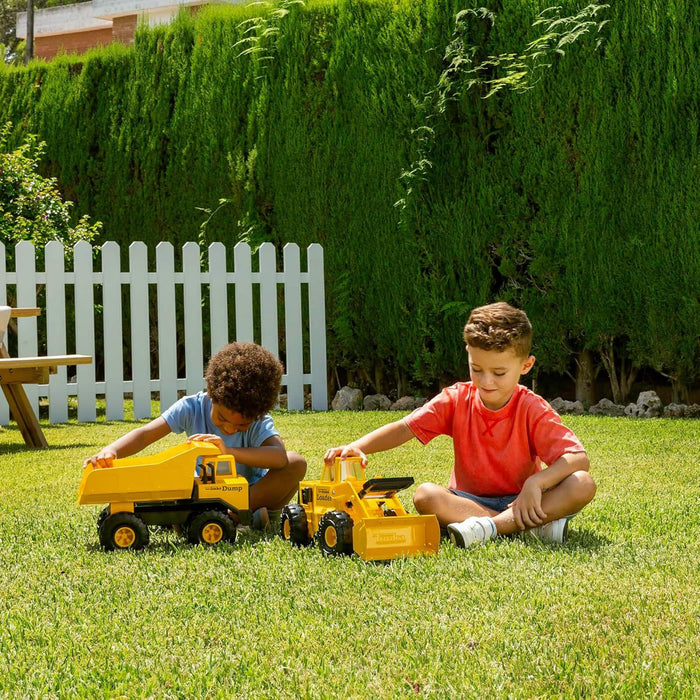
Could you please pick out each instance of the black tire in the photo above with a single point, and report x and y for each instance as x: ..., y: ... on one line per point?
x: 104, y: 514
x: 334, y: 534
x: 123, y: 531
x: 210, y: 528
x: 294, y: 526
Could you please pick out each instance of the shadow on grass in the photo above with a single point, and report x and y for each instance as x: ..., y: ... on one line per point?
x: 164, y: 542
x: 21, y: 447
x: 576, y: 541
x: 585, y: 540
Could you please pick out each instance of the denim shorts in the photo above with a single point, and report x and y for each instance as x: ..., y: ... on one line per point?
x: 497, y: 503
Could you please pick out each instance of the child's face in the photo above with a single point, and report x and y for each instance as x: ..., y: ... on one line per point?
x: 227, y: 421
x: 495, y: 374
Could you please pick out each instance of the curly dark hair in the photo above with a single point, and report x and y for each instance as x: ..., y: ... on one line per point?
x: 245, y: 378
x: 498, y: 327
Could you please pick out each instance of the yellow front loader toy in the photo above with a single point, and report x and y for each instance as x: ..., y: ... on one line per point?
x: 190, y: 486
x: 345, y: 512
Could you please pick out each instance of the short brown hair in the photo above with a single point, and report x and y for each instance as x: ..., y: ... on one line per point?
x: 245, y: 378
x: 498, y: 327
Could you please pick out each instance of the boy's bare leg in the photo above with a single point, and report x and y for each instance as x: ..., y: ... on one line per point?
x: 566, y: 498
x: 448, y: 507
x: 278, y: 486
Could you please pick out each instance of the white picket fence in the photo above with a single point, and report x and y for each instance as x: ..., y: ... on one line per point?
x: 282, y: 310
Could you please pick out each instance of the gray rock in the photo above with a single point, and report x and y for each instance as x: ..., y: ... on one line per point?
x: 693, y: 411
x: 632, y: 410
x: 376, y: 402
x: 605, y: 407
x: 347, y: 399
x: 405, y: 403
x: 559, y: 404
x: 649, y: 405
x: 562, y: 406
x: 675, y: 410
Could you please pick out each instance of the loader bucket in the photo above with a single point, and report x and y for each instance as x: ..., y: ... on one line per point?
x: 400, y: 536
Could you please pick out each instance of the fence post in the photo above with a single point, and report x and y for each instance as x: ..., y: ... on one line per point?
x: 85, y: 329
x: 292, y: 326
x: 269, y: 328
x: 111, y: 329
x: 54, y: 256
x: 140, y: 330
x: 218, y: 297
x: 244, y: 293
x: 27, y: 345
x: 317, y: 328
x: 192, y: 298
x: 167, y: 324
x: 4, y: 408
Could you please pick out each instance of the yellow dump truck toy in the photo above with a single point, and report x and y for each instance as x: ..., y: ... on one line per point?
x: 345, y: 512
x: 190, y: 486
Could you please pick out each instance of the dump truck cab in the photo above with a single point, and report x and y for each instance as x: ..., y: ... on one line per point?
x: 190, y: 486
x: 345, y: 512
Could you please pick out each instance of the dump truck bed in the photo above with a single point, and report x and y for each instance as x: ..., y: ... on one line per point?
x: 169, y: 475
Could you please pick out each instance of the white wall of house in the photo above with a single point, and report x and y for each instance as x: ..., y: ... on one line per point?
x: 60, y: 20
x: 99, y: 14
x: 108, y: 9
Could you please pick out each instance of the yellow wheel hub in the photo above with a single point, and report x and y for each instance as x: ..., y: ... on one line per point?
x: 331, y: 537
x: 212, y: 533
x: 287, y: 530
x: 124, y: 537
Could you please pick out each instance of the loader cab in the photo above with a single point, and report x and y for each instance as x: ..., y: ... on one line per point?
x: 342, y: 469
x: 207, y: 468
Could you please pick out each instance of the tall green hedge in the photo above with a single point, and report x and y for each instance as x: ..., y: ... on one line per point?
x: 576, y: 199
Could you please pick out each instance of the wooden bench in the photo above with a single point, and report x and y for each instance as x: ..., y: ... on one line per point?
x: 17, y: 371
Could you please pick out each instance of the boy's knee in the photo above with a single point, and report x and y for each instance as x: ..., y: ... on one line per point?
x: 296, y: 465
x: 585, y: 486
x: 425, y: 496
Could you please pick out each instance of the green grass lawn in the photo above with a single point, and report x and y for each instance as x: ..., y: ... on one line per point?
x: 615, y: 612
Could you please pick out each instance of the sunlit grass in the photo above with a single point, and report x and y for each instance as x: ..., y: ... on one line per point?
x: 612, y: 613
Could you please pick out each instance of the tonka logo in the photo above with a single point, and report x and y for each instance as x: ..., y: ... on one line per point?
x: 390, y: 538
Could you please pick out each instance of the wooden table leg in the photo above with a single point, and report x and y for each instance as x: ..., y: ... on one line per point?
x: 21, y: 411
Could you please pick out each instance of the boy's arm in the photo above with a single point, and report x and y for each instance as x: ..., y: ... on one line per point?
x: 131, y: 443
x: 271, y: 454
x: 566, y: 465
x: 527, y: 507
x: 385, y: 438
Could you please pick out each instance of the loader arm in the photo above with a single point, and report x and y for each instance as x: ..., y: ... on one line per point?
x: 384, y: 487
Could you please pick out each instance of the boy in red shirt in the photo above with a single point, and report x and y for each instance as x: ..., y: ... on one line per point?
x: 502, y: 433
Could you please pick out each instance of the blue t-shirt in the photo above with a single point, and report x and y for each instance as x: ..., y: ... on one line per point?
x: 192, y: 415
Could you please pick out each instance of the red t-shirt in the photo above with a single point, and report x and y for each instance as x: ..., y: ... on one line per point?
x: 495, y: 451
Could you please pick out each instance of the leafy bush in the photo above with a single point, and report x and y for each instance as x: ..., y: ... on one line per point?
x: 31, y: 207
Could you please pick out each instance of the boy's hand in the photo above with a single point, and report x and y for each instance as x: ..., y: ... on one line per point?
x: 343, y: 452
x: 102, y: 460
x: 527, y: 507
x: 213, y: 439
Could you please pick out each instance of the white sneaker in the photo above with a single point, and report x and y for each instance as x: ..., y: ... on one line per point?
x: 474, y: 530
x: 553, y: 532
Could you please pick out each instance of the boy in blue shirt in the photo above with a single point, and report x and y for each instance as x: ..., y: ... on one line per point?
x: 243, y: 382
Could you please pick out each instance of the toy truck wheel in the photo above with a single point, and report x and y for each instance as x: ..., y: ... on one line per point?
x: 210, y: 528
x: 104, y: 514
x: 334, y: 534
x: 294, y: 526
x: 123, y: 531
